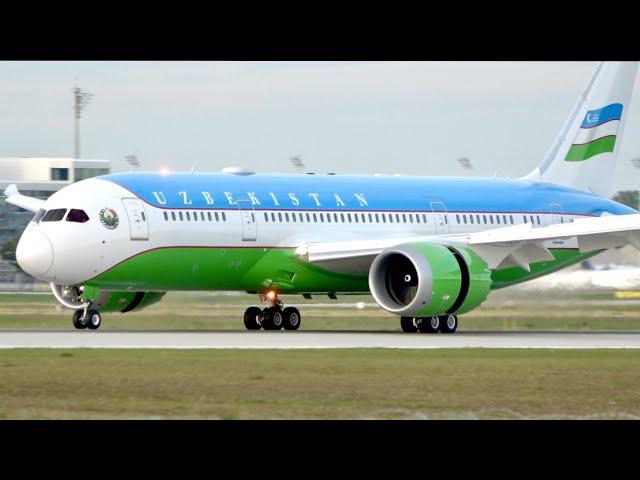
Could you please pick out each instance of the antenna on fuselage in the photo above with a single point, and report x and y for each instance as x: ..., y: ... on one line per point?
x: 297, y: 163
x: 133, y: 162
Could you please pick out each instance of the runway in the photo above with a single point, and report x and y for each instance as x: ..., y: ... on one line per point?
x: 314, y: 339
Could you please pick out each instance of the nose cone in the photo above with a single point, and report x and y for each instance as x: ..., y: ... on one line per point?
x: 34, y: 253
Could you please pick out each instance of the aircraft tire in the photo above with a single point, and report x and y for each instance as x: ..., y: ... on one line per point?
x: 77, y: 322
x: 291, y: 318
x: 272, y: 318
x: 408, y: 325
x: 251, y: 315
x: 448, y: 324
x: 94, y: 319
x: 429, y: 325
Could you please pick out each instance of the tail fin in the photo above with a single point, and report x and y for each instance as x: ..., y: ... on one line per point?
x: 584, y: 153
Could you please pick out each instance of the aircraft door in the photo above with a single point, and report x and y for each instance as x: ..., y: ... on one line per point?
x: 248, y: 219
x: 440, y: 218
x: 138, y: 220
x: 556, y: 213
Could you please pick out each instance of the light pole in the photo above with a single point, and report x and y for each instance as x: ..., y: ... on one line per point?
x: 297, y: 163
x: 80, y: 101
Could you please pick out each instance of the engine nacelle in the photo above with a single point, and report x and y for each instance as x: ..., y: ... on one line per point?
x: 424, y: 279
x: 75, y: 297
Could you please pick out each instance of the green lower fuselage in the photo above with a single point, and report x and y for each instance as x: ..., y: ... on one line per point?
x: 254, y: 269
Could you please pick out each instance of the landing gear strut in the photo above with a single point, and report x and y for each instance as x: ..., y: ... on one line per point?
x: 434, y: 324
x: 273, y: 316
x: 86, y: 318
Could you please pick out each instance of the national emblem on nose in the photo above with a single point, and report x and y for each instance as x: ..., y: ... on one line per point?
x: 109, y: 218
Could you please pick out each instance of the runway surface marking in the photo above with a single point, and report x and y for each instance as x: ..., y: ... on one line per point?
x: 313, y: 340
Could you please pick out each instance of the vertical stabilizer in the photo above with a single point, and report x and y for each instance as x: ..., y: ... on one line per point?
x: 584, y: 153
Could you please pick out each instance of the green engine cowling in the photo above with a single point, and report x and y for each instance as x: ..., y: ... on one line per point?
x: 425, y: 279
x: 109, y: 301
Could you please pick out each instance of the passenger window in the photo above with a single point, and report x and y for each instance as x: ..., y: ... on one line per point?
x: 308, y: 218
x: 224, y: 217
x: 166, y: 215
x: 180, y: 215
x: 390, y: 218
x: 39, y: 215
x: 355, y: 217
x: 188, y: 215
x: 397, y: 218
x: 209, y: 215
x: 301, y: 217
x: 144, y: 219
x: 173, y: 216
x: 370, y: 218
x: 335, y: 218
x: 315, y: 219
x: 79, y: 216
x: 470, y: 218
x: 321, y: 218
x: 418, y: 218
x: 280, y: 217
x: 195, y: 216
x: 293, y: 217
x: 484, y: 219
x: 202, y: 216
x: 498, y: 219
x: 54, y: 215
x: 266, y: 217
x: 286, y: 217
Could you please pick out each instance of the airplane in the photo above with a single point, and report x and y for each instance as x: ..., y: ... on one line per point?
x: 428, y: 249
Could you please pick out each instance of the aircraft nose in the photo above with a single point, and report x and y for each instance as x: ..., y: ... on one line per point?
x: 34, y: 253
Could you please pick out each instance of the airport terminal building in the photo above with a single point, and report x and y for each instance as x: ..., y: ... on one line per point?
x: 37, y: 177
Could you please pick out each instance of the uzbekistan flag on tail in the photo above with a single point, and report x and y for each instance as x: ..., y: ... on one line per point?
x: 597, y: 134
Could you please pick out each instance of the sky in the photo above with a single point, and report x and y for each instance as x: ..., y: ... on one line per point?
x: 345, y: 117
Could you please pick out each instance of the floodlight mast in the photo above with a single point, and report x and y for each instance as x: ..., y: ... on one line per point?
x: 81, y: 100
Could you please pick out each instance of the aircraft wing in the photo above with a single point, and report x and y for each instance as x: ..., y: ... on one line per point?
x: 14, y: 197
x: 518, y: 245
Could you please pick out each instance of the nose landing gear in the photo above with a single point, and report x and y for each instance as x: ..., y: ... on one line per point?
x: 273, y: 316
x: 86, y: 318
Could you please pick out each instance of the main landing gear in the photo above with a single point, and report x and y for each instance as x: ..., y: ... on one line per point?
x: 273, y: 316
x: 87, y: 318
x: 435, y: 324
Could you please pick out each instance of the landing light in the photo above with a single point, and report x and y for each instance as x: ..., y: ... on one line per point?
x: 164, y: 171
x: 271, y: 295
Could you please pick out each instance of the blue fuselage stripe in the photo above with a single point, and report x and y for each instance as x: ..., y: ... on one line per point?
x: 360, y: 193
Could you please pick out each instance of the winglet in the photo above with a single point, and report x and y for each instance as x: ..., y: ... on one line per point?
x: 14, y: 197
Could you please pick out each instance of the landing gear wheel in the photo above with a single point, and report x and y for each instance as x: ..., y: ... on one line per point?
x: 291, y: 318
x: 408, y: 324
x: 429, y: 325
x: 93, y: 319
x: 272, y: 319
x: 448, y: 324
x: 77, y: 322
x: 251, y: 316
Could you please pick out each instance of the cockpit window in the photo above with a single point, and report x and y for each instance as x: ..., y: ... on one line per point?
x: 78, y: 216
x: 54, y: 215
x: 39, y: 215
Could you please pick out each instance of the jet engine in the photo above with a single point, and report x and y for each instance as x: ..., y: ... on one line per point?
x: 423, y: 279
x: 75, y: 297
